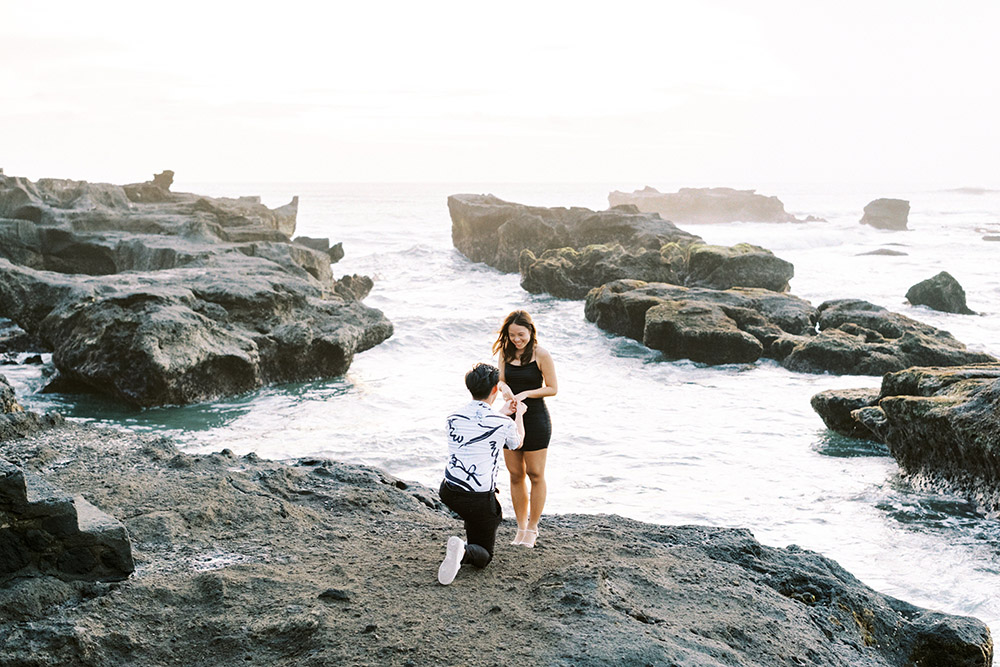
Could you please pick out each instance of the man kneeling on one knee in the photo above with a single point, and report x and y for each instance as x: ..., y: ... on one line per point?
x: 476, y: 434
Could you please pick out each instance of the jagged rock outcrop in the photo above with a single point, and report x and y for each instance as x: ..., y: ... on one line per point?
x: 887, y: 214
x: 942, y: 292
x: 161, y: 298
x: 707, y: 205
x: 488, y: 229
x: 253, y: 561
x: 859, y: 338
x: 743, y: 325
x: 941, y: 424
x: 44, y: 531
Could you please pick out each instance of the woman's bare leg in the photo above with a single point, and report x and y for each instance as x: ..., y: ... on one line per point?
x: 534, y: 463
x: 518, y: 489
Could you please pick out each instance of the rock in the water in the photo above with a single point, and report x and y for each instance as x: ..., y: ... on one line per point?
x: 887, y: 214
x: 487, y: 229
x: 859, y: 338
x: 182, y: 299
x: 888, y: 252
x: 942, y: 292
x: 940, y: 424
x: 716, y: 326
x: 836, y: 408
x: 44, y: 531
x: 706, y: 205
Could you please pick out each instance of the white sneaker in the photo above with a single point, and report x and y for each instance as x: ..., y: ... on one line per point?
x: 452, y: 562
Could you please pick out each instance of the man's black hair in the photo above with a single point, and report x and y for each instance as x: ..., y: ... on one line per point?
x: 481, y: 380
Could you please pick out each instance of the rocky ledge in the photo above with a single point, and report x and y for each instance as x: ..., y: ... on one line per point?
x: 941, y: 424
x: 155, y: 297
x: 707, y: 205
x: 244, y: 561
x: 742, y: 325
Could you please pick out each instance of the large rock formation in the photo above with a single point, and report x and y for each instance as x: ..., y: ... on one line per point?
x: 162, y: 298
x: 743, y: 325
x: 570, y: 274
x: 942, y: 292
x: 257, y: 562
x: 887, y: 214
x: 941, y: 424
x: 487, y: 229
x: 707, y: 205
x: 710, y: 326
x: 44, y: 531
x: 566, y: 252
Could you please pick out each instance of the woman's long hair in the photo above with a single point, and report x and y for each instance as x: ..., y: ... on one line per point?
x: 503, y: 343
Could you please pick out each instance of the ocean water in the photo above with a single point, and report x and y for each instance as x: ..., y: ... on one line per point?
x: 669, y: 442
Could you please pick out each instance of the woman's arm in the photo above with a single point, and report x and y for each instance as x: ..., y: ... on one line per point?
x: 550, y: 386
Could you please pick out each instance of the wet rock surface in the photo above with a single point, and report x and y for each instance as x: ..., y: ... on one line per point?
x: 707, y: 205
x: 890, y: 214
x: 241, y: 560
x: 942, y: 292
x: 742, y: 325
x: 157, y: 297
x: 941, y: 424
x: 860, y: 338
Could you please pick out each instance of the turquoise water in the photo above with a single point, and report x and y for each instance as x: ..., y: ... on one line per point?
x: 661, y: 441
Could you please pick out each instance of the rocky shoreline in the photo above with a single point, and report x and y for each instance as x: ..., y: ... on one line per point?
x: 310, y: 562
x: 160, y: 298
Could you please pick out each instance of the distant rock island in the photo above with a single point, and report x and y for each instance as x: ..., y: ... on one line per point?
x: 155, y: 297
x: 707, y: 205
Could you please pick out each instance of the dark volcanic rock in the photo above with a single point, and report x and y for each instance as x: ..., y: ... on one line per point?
x: 706, y: 205
x: 175, y: 298
x: 44, y: 531
x: 251, y: 561
x: 15, y: 339
x: 942, y: 292
x: 860, y: 338
x: 836, y: 408
x: 941, y: 424
x: 887, y: 214
x: 487, y: 229
x: 717, y: 326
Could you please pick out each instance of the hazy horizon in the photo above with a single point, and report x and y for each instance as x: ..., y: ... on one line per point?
x: 719, y: 93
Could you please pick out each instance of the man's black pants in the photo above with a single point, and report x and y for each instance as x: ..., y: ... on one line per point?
x: 482, y: 515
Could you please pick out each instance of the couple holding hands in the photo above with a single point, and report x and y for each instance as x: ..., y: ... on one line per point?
x: 524, y: 376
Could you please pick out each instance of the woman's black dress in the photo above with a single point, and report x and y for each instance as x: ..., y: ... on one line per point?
x: 537, y: 426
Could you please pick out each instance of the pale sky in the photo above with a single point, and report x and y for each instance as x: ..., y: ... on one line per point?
x: 706, y: 92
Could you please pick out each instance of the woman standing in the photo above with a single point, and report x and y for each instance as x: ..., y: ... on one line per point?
x: 528, y: 372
